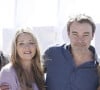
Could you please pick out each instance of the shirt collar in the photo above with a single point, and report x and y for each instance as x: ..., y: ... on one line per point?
x: 91, y: 48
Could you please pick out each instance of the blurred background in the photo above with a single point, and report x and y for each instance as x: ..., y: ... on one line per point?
x: 48, y: 19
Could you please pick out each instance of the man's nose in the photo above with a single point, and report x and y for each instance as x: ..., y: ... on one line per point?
x: 80, y: 39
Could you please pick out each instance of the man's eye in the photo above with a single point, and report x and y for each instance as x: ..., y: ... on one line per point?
x: 75, y: 34
x: 32, y: 43
x: 86, y: 35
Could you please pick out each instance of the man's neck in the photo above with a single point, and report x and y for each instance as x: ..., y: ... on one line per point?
x: 81, y: 57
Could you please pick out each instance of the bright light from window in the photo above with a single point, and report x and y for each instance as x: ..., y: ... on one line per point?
x: 37, y: 12
x: 7, y: 9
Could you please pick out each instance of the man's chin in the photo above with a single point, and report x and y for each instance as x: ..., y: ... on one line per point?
x: 80, y: 48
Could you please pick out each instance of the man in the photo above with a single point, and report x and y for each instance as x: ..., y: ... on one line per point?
x: 74, y: 66
x: 3, y: 61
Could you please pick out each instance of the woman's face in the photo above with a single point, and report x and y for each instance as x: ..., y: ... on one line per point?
x: 26, y: 47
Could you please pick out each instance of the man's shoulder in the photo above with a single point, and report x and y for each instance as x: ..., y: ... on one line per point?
x: 55, y: 47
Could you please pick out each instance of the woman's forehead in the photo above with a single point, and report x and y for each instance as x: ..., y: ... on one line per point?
x: 25, y: 36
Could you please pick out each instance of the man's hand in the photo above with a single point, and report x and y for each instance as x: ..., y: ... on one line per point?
x: 4, y: 86
x: 98, y: 88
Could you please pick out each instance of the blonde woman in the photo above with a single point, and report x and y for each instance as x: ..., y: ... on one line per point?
x: 24, y: 71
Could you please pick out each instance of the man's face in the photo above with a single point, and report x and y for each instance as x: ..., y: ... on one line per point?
x: 80, y: 35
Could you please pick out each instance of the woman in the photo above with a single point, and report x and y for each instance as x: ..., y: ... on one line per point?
x: 24, y: 71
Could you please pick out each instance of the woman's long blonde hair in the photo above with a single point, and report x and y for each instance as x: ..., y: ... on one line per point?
x: 37, y: 72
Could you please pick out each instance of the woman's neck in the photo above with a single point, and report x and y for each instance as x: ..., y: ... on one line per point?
x: 26, y: 65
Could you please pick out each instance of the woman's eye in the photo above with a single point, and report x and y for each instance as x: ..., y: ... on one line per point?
x: 26, y: 44
x: 75, y: 35
x: 21, y: 44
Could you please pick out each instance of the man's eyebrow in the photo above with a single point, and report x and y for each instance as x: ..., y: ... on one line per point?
x: 86, y: 32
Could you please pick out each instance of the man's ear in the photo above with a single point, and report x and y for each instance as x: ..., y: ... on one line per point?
x: 92, y: 35
x: 68, y: 33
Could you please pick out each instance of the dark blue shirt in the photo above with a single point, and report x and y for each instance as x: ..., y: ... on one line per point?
x: 62, y: 73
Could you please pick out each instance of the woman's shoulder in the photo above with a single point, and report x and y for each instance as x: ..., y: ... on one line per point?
x: 7, y: 70
x: 8, y: 75
x: 7, y: 67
